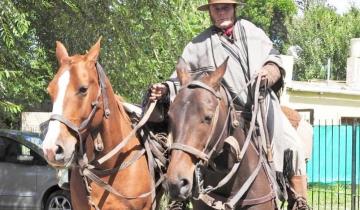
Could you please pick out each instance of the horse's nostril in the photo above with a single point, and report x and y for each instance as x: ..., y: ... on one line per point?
x: 59, y: 153
x: 184, y: 187
x: 59, y: 150
x: 183, y: 182
x: 179, y: 189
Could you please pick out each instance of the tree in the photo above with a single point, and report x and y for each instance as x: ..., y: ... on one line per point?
x: 306, y: 4
x: 271, y: 16
x: 21, y: 60
x: 323, y: 34
x: 141, y: 43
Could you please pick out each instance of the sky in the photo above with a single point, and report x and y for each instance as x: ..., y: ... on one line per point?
x: 343, y: 5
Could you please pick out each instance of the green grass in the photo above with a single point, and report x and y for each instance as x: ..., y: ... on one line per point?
x: 332, y: 196
x: 320, y: 197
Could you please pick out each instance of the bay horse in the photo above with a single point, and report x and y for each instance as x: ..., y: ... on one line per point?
x: 209, y: 143
x: 86, y: 108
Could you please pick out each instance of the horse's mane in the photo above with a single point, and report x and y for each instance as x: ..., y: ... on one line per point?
x: 119, y: 100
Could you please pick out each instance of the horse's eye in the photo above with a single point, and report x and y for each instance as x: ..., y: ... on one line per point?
x: 208, y: 118
x: 83, y: 90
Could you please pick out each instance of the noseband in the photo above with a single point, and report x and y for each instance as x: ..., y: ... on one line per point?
x: 95, y: 105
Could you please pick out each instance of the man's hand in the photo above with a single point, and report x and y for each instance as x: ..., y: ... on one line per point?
x: 270, y: 74
x: 157, y: 91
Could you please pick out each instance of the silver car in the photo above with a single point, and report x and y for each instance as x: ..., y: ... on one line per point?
x: 26, y: 180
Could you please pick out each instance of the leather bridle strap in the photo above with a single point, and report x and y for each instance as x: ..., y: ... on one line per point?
x: 244, y: 188
x: 253, y: 119
x: 123, y: 165
x: 191, y: 150
x: 102, y: 77
x: 94, y: 104
x: 196, y: 83
x: 112, y: 190
x: 83, y: 124
x: 230, y: 204
x: 116, y: 149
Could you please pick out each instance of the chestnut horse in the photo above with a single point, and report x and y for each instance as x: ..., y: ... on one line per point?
x: 209, y: 143
x: 86, y: 108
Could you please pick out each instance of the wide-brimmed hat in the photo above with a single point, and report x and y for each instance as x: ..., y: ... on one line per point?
x: 205, y: 7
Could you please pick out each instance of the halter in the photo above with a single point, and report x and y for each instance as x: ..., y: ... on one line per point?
x: 202, y: 154
x: 95, y: 105
x: 87, y: 170
x: 205, y: 194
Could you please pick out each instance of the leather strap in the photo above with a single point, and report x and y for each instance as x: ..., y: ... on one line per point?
x: 197, y: 83
x: 101, y: 75
x: 231, y: 203
x: 112, y: 190
x: 256, y: 201
x: 128, y: 137
x: 234, y: 144
x: 191, y: 150
x: 107, y: 172
x: 244, y: 188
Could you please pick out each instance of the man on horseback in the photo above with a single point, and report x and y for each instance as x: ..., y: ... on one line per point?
x: 251, y: 54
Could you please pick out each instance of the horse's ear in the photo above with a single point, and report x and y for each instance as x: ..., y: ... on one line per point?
x: 61, y: 52
x: 216, y: 76
x: 182, y: 71
x: 94, y: 51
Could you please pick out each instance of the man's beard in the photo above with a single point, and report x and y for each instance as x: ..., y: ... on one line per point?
x: 214, y: 22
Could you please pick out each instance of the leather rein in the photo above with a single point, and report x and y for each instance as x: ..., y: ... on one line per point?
x: 205, y: 194
x: 89, y: 171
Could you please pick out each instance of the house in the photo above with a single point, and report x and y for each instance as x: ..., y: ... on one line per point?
x: 336, y: 102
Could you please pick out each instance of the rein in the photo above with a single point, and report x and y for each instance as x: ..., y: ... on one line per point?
x: 87, y: 171
x: 205, y: 194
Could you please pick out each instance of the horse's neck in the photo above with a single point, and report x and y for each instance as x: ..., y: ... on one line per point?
x: 116, y: 127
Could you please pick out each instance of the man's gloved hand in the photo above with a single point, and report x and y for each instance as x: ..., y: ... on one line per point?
x: 270, y: 74
x: 157, y: 91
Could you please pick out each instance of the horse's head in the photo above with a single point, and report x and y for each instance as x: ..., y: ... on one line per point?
x: 197, y: 117
x: 74, y: 92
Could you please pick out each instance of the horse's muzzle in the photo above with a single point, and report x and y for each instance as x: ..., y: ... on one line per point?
x: 56, y: 157
x: 179, y: 189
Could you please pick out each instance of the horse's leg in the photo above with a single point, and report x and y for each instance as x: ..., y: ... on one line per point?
x: 79, y: 200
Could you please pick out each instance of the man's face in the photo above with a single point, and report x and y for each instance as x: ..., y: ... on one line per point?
x: 222, y: 15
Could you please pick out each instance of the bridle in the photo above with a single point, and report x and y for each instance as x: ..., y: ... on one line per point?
x: 205, y: 154
x: 87, y: 171
x: 85, y: 124
x: 204, y: 194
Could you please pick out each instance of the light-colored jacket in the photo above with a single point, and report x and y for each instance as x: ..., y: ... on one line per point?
x: 251, y: 46
x: 250, y: 50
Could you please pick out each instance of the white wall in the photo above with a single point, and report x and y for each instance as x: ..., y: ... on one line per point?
x: 30, y: 121
x: 327, y: 106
